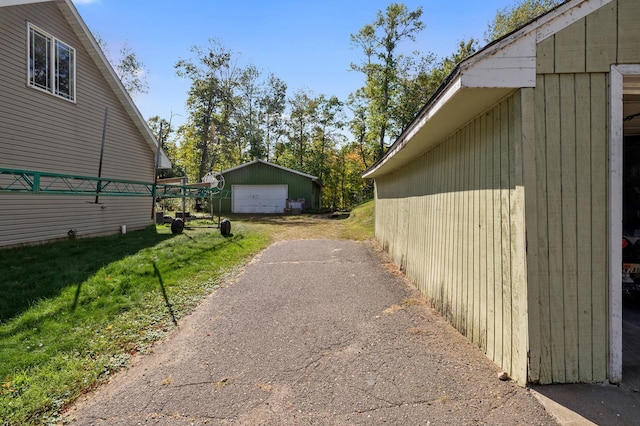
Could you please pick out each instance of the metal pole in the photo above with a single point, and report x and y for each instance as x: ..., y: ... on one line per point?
x: 184, y: 199
x: 155, y: 176
x: 104, y: 131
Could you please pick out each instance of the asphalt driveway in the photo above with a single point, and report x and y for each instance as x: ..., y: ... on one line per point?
x: 312, y: 332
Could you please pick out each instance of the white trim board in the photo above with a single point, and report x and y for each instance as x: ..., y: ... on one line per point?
x: 616, y: 146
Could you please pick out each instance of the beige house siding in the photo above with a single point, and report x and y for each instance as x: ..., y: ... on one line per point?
x: 39, y: 131
x: 453, y: 219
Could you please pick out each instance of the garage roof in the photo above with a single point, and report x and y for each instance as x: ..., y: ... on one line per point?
x: 258, y: 161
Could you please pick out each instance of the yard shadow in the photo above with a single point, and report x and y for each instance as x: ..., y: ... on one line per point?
x: 34, y: 273
x: 164, y: 294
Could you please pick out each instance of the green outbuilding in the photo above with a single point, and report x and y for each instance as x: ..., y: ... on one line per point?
x: 263, y: 187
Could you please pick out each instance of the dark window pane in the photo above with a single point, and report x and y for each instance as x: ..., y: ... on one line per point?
x: 39, y: 66
x: 64, y: 70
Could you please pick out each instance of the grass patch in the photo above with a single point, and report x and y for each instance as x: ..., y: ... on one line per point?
x: 74, y: 312
x: 360, y: 225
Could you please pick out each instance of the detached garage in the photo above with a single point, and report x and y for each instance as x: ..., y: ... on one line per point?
x: 503, y: 199
x: 263, y: 187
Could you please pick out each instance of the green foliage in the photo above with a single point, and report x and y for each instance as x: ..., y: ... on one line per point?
x: 385, y: 70
x: 163, y: 132
x: 513, y: 17
x: 127, y: 66
x: 131, y: 71
x: 73, y: 312
x: 235, y: 114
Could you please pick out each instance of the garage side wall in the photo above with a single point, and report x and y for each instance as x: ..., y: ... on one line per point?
x: 453, y: 220
x: 39, y: 131
x: 568, y: 281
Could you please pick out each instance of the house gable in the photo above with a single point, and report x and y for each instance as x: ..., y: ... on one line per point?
x: 43, y: 132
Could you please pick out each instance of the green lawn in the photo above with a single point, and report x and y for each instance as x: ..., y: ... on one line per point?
x: 73, y: 312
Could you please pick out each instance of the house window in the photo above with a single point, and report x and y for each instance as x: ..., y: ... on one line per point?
x: 52, y: 64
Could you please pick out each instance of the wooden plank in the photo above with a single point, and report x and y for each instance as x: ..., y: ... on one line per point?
x: 545, y: 56
x: 520, y: 324
x: 476, y: 269
x: 545, y: 375
x: 529, y: 161
x: 459, y: 234
x: 448, y: 232
x: 583, y: 221
x: 569, y: 221
x: 554, y: 212
x: 431, y: 204
x: 440, y: 248
x: 466, y: 288
x: 601, y: 41
x: 505, y: 234
x: 483, y: 225
x: 570, y: 48
x: 628, y: 34
x: 498, y: 240
x: 492, y: 168
x: 450, y: 223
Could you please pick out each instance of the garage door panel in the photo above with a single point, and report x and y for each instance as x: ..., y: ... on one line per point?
x: 259, y: 198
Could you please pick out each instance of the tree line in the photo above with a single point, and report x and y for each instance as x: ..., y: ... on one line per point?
x: 238, y: 113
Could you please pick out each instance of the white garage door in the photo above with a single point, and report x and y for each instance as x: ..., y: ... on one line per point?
x: 259, y: 198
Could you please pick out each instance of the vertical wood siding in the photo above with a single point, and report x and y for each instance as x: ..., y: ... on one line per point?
x: 39, y: 131
x: 570, y: 223
x: 463, y: 202
x: 454, y: 221
x: 592, y: 44
x: 568, y: 283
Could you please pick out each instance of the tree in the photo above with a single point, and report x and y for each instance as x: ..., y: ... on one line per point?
x: 129, y: 69
x: 329, y: 120
x: 272, y: 107
x: 248, y: 134
x: 513, y: 17
x: 211, y: 103
x: 380, y: 42
x: 302, y: 110
x: 163, y: 131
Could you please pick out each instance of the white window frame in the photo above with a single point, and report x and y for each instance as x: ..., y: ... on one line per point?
x: 53, y: 65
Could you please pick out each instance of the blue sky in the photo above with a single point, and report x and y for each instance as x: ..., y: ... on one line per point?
x: 304, y: 43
